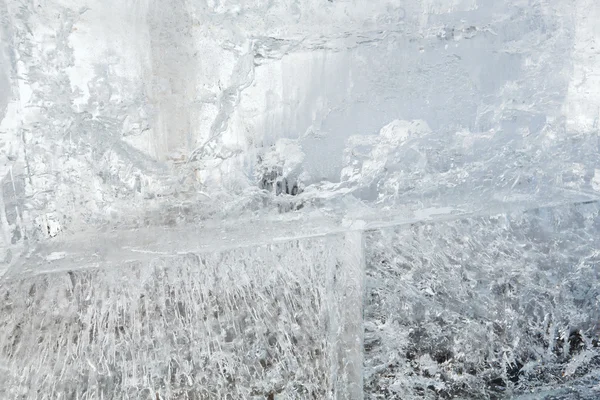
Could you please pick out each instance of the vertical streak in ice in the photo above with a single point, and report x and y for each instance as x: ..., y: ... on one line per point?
x: 583, y: 101
x: 346, y: 291
x: 172, y: 74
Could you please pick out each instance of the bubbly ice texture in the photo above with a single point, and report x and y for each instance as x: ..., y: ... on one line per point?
x: 485, y: 307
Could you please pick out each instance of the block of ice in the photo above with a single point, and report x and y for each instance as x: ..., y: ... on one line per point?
x: 271, y: 321
x: 484, y: 307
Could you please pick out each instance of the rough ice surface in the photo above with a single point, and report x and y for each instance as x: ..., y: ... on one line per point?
x: 218, y: 198
x: 272, y: 320
x: 484, y: 307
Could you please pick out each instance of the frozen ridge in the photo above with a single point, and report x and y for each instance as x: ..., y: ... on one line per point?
x: 111, y: 247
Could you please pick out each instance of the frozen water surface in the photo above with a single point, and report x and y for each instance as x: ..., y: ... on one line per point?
x: 299, y: 199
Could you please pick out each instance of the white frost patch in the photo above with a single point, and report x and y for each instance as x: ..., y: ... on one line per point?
x: 368, y: 157
x: 596, y: 180
x: 427, y: 364
x: 399, y: 131
x: 57, y: 255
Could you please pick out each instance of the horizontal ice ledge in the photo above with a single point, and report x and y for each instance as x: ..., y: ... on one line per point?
x: 112, y: 248
x: 227, y: 314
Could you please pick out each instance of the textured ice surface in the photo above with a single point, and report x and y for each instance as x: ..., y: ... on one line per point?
x: 273, y: 321
x: 489, y: 306
x: 235, y: 155
x: 152, y: 112
x: 486, y: 306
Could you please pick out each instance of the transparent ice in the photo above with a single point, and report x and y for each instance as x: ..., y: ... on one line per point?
x: 299, y: 199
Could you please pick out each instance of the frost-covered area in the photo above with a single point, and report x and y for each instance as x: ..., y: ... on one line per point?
x: 474, y: 307
x: 485, y: 307
x: 272, y: 320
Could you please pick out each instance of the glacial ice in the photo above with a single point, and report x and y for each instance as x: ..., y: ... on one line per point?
x: 296, y: 199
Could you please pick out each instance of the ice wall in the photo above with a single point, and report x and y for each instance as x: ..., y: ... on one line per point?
x: 271, y: 321
x: 480, y: 307
x: 122, y: 112
x: 136, y: 134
